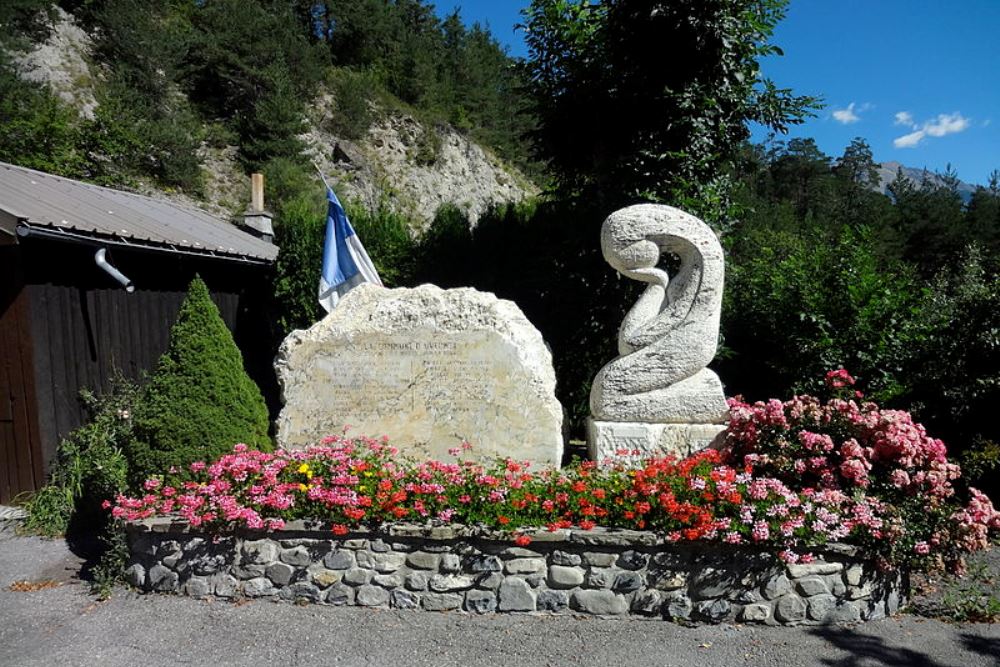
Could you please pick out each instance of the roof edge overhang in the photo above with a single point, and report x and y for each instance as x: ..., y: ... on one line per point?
x: 27, y: 229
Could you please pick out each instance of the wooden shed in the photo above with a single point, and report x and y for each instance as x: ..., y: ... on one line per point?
x: 67, y: 320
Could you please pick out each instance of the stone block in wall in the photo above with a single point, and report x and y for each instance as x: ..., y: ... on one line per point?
x: 340, y: 595
x: 416, y: 581
x: 713, y: 610
x: 565, y: 558
x: 647, y: 603
x: 261, y: 552
x: 757, y: 613
x: 441, y: 601
x: 678, y: 607
x: 599, y: 558
x: 524, y: 566
x: 447, y: 583
x: 357, y: 576
x: 421, y: 560
x: 280, y: 573
x: 372, y: 596
x: 790, y: 609
x: 552, y: 600
x: 340, y: 560
x: 162, y: 579
x: 301, y: 591
x: 480, y: 602
x: 811, y: 585
x: 516, y: 595
x: 401, y: 599
x: 599, y: 602
x: 565, y: 576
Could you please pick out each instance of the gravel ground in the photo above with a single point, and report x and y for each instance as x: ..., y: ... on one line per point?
x: 64, y: 625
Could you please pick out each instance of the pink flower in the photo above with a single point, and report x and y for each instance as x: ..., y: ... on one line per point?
x: 838, y: 379
x: 760, y: 531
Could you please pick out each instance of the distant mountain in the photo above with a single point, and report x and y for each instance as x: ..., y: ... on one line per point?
x: 887, y: 174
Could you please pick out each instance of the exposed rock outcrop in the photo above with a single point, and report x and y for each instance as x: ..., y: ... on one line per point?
x: 62, y: 62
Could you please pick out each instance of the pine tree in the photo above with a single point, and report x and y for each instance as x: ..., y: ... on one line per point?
x: 200, y: 401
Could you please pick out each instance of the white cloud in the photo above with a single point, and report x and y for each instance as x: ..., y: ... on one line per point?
x: 846, y: 116
x: 905, y: 118
x: 909, y: 140
x: 986, y: 123
x: 944, y: 124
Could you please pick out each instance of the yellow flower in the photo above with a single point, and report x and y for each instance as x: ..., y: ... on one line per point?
x: 303, y: 487
x: 304, y: 468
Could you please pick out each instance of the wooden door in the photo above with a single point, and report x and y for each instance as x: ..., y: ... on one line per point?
x: 21, y: 466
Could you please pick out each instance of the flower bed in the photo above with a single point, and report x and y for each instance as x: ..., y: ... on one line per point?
x: 600, y: 572
x: 793, y: 478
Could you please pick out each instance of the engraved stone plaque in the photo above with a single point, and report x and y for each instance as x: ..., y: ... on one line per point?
x: 430, y: 368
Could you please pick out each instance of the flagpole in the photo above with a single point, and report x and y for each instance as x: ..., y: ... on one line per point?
x: 321, y: 176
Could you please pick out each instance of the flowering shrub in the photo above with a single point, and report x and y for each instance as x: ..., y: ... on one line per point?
x: 862, y: 451
x: 794, y: 475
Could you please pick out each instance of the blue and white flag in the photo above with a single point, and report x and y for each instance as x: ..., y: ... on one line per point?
x: 345, y: 262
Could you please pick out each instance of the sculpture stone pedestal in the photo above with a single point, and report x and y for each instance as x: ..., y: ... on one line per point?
x: 626, y: 442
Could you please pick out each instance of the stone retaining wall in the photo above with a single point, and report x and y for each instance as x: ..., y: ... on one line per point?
x: 600, y: 572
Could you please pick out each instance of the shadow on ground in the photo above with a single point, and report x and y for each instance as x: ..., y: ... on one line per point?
x: 986, y: 646
x: 867, y: 650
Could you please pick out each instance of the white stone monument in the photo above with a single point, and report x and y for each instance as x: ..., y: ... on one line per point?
x: 658, y: 397
x: 428, y: 367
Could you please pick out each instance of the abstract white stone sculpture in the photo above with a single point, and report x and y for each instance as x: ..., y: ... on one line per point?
x: 658, y: 396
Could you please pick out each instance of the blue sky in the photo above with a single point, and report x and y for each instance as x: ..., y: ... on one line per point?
x: 919, y: 79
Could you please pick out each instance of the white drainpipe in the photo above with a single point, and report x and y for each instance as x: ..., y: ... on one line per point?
x: 112, y: 271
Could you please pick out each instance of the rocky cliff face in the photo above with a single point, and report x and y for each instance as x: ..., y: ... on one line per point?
x: 415, y: 168
x: 62, y: 62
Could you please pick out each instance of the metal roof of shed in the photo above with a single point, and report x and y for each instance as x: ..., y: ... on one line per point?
x: 63, y: 207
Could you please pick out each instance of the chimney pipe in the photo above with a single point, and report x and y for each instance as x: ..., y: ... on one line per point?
x: 257, y: 192
x: 257, y: 220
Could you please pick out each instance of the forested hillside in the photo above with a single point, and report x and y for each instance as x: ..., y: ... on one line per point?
x: 171, y: 81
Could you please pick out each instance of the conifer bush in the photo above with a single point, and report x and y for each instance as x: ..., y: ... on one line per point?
x: 200, y: 399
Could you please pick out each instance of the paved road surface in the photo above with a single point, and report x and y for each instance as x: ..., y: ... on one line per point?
x: 65, y: 626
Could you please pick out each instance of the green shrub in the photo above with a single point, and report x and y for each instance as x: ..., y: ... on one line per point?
x: 36, y: 129
x: 89, y: 468
x: 801, y: 300
x: 200, y: 401
x: 427, y: 148
x: 353, y: 92
x: 298, y: 231
x: 388, y: 240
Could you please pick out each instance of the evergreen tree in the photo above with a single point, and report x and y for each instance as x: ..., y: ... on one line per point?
x: 651, y: 99
x: 983, y: 214
x: 251, y: 64
x: 859, y: 201
x: 200, y: 401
